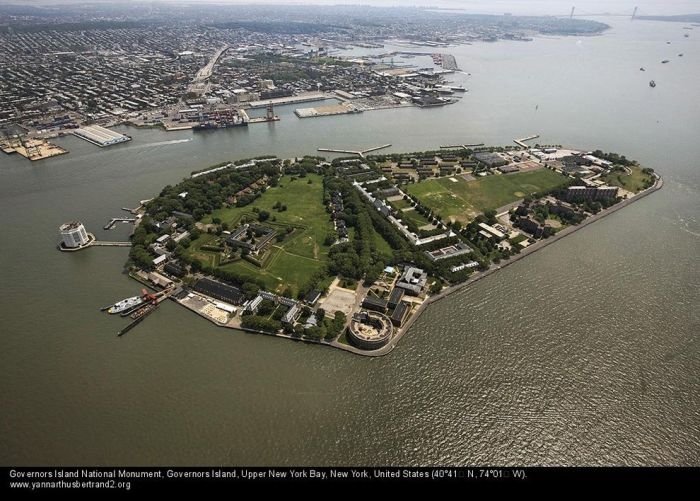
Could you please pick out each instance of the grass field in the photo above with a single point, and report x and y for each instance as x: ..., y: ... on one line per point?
x: 414, y: 216
x: 463, y: 200
x: 634, y: 182
x: 400, y: 204
x: 291, y: 262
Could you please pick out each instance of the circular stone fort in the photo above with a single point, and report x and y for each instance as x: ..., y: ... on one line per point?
x: 370, y: 330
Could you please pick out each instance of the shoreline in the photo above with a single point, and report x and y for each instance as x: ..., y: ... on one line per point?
x: 393, y: 342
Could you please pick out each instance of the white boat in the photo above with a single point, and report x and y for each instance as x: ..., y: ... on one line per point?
x: 125, y: 304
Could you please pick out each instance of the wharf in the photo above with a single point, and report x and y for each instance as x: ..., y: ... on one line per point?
x: 521, y: 142
x: 360, y: 153
x: 116, y: 220
x: 302, y: 98
x: 463, y: 146
x: 100, y: 243
x: 326, y: 111
x: 32, y: 149
x: 93, y: 242
x: 100, y: 136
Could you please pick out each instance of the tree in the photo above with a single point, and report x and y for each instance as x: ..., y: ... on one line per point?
x: 320, y: 314
x: 330, y: 238
x: 263, y: 215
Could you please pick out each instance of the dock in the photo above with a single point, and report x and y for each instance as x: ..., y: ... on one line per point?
x: 31, y: 149
x: 326, y: 111
x: 521, y: 142
x: 302, y: 98
x: 463, y: 146
x: 116, y: 220
x: 100, y: 243
x: 360, y: 153
x: 140, y: 314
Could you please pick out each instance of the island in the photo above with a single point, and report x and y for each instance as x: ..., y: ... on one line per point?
x: 347, y: 253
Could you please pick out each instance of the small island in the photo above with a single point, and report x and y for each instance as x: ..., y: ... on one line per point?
x: 347, y: 253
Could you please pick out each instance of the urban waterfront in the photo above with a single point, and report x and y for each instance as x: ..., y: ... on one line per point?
x: 584, y: 353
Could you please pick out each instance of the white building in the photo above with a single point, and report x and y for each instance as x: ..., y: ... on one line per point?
x: 73, y: 235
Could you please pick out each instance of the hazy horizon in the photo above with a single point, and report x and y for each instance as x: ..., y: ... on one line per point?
x: 517, y: 7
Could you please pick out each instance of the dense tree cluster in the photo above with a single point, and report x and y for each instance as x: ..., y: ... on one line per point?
x: 614, y: 158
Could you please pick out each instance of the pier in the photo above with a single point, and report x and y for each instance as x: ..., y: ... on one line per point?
x: 301, y: 98
x: 521, y: 142
x: 31, y: 149
x: 116, y: 220
x: 360, y: 153
x: 99, y: 243
x: 463, y: 146
x: 100, y: 136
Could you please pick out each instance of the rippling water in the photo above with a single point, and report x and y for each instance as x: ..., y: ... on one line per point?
x: 584, y: 353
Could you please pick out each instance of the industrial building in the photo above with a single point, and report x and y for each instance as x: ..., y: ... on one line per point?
x: 100, y: 136
x: 218, y: 290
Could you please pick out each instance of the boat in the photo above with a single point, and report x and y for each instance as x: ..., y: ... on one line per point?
x: 680, y: 55
x: 642, y: 69
x: 652, y: 84
x: 219, y: 125
x: 664, y: 61
x: 125, y: 304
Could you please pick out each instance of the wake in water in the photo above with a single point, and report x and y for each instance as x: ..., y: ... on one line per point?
x: 161, y: 143
x: 686, y: 225
x: 173, y: 141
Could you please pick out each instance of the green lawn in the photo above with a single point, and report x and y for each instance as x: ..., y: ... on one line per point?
x: 634, y: 182
x: 292, y: 261
x: 414, y: 216
x: 400, y: 204
x: 463, y: 200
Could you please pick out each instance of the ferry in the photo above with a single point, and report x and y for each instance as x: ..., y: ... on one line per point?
x: 125, y: 304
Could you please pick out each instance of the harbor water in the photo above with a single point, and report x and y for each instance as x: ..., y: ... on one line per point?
x: 585, y: 353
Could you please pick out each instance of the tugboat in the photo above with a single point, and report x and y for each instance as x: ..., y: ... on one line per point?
x: 652, y: 84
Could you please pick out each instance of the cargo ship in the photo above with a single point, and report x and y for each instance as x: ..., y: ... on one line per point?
x: 219, y: 125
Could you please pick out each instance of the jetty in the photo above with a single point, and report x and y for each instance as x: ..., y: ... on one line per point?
x: 116, y: 220
x: 100, y: 243
x: 359, y: 153
x: 521, y: 142
x: 463, y: 146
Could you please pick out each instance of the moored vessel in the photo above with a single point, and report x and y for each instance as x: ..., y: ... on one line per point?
x: 125, y: 304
